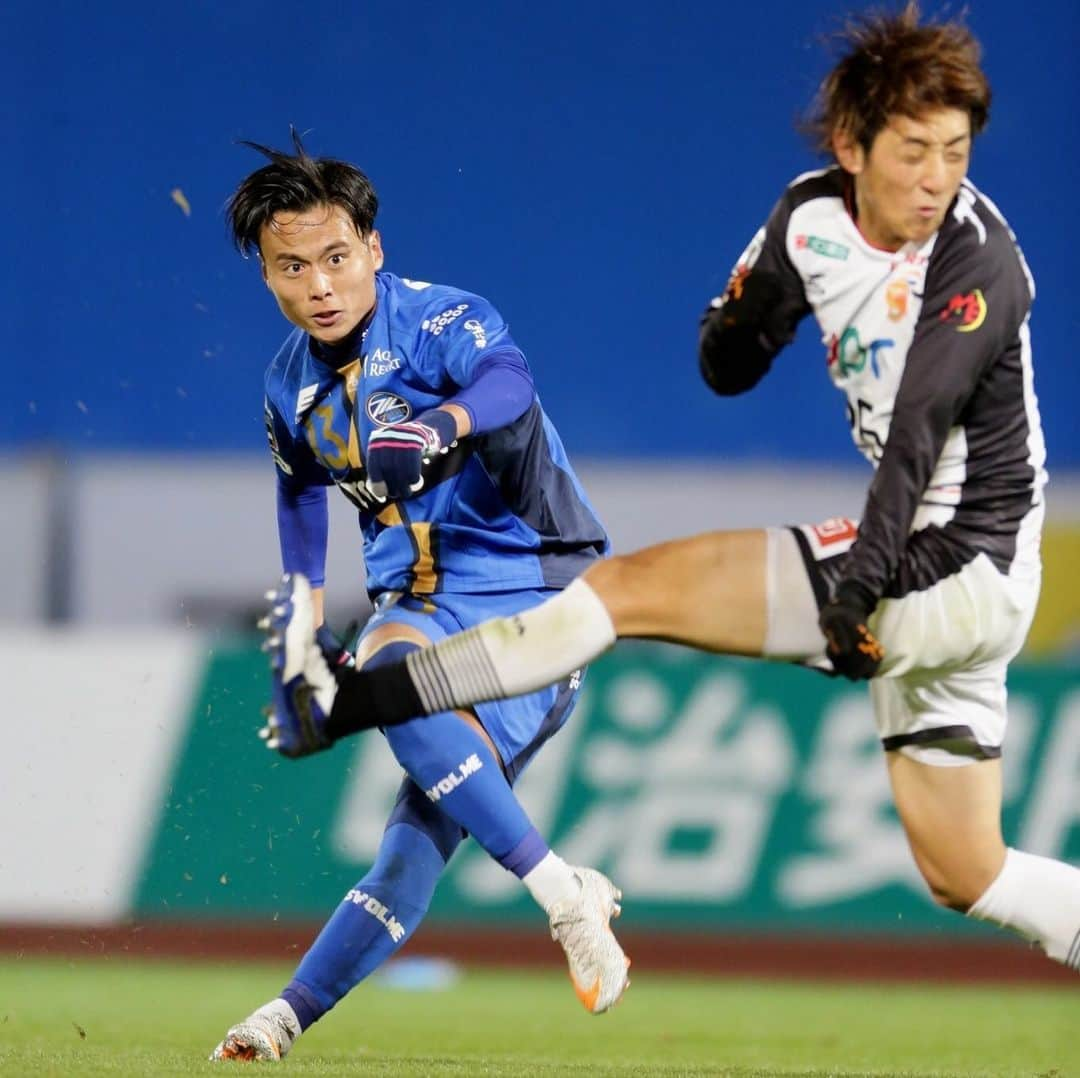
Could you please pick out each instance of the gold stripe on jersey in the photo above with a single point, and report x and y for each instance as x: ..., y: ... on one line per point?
x: 425, y: 577
x: 390, y: 517
x: 351, y: 373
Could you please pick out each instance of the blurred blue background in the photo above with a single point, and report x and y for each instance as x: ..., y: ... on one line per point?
x: 594, y: 168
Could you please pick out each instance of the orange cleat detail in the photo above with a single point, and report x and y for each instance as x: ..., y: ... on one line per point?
x: 588, y: 996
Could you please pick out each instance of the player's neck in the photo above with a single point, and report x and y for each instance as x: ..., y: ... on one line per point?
x: 338, y: 353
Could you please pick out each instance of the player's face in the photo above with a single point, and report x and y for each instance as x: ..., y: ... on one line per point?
x: 321, y: 270
x: 907, y: 181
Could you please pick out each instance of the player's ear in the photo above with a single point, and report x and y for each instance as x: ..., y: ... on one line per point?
x: 265, y: 275
x: 850, y: 155
x: 374, y: 244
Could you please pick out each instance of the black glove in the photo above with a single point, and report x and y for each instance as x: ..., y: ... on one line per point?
x: 396, y: 454
x: 855, y: 652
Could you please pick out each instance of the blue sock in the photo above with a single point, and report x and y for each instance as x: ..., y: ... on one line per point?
x: 381, y: 911
x: 454, y: 767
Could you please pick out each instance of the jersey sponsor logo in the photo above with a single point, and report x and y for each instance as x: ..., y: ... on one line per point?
x: 831, y: 537
x: 734, y: 288
x: 852, y: 356
x: 966, y: 310
x: 896, y: 299
x: 835, y: 530
x: 370, y: 904
x: 381, y: 362
x: 478, y: 332
x: 436, y: 325
x: 449, y: 783
x: 826, y: 248
x: 386, y: 408
x: 304, y: 399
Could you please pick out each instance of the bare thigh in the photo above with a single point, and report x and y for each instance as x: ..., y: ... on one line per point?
x: 952, y: 817
x: 706, y: 591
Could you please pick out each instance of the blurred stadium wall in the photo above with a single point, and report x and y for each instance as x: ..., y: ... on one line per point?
x: 594, y: 170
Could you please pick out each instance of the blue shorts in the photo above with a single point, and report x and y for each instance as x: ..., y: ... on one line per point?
x: 518, y: 726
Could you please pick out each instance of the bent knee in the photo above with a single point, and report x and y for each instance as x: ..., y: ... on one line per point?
x: 960, y: 887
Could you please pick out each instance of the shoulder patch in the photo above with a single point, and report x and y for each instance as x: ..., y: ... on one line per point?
x: 966, y: 310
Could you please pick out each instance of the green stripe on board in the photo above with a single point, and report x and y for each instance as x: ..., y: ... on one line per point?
x: 718, y: 793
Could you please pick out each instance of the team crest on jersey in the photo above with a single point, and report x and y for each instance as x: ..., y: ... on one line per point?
x: 386, y: 408
x: 896, y: 299
x: 967, y: 311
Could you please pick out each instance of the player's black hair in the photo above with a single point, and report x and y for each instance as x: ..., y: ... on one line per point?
x: 293, y: 183
x: 894, y: 64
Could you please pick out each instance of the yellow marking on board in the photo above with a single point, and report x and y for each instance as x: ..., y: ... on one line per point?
x: 1055, y: 632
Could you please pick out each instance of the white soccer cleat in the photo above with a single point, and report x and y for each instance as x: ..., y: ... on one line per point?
x: 598, y: 966
x: 264, y: 1037
x: 303, y: 685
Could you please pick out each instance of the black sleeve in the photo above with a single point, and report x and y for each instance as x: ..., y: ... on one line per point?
x: 977, y: 296
x: 757, y: 315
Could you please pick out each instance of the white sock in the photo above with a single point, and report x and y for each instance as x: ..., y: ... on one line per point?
x: 1040, y: 899
x: 552, y: 881
x: 513, y: 655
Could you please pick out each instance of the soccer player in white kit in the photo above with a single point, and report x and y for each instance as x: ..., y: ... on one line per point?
x: 922, y: 297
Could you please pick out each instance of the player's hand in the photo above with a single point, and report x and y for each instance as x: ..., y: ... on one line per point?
x: 854, y: 651
x: 397, y: 454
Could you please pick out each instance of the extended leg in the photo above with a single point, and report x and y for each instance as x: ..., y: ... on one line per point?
x: 641, y: 594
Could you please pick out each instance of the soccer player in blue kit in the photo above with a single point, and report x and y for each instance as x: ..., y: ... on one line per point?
x: 923, y: 297
x: 413, y: 399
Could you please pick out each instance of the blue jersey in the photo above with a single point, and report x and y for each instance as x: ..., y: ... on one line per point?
x: 501, y: 511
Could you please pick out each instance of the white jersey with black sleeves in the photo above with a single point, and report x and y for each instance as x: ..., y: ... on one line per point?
x: 931, y: 348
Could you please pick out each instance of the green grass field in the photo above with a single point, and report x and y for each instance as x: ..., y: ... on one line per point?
x: 107, y: 1017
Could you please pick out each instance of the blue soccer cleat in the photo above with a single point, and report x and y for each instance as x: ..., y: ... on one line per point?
x: 304, y: 687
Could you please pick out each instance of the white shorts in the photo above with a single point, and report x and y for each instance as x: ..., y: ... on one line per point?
x: 939, y: 696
